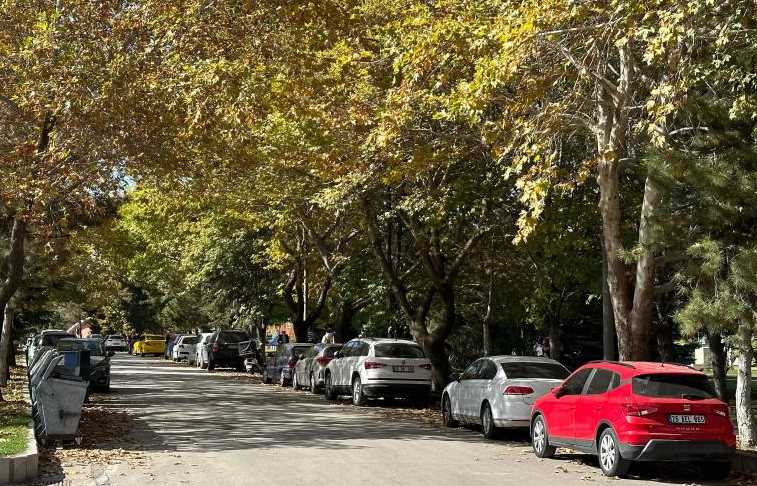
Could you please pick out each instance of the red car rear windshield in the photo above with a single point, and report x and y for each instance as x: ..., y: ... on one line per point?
x: 689, y: 386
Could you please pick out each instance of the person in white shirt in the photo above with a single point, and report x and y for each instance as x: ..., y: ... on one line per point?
x: 328, y: 338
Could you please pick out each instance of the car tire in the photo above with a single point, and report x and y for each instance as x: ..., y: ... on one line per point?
x: 488, y: 427
x: 540, y: 439
x: 448, y: 419
x: 203, y: 365
x: 313, y: 385
x: 266, y: 378
x: 282, y: 380
x: 358, y: 397
x: 715, y: 471
x: 608, y: 452
x: 328, y: 388
x: 211, y: 365
x: 240, y: 367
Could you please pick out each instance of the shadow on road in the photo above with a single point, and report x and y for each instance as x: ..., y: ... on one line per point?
x: 185, y: 409
x: 189, y: 410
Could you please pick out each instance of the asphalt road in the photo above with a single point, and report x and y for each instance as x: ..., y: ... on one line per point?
x: 215, y: 429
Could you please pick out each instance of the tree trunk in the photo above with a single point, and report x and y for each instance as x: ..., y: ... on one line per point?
x: 718, y: 363
x: 439, y: 358
x: 643, y: 298
x: 664, y: 339
x: 609, y: 346
x: 744, y: 420
x: 555, y: 340
x: 486, y: 330
x: 343, y: 327
x: 6, y: 344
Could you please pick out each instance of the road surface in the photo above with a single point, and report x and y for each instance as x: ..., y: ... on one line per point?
x: 213, y: 429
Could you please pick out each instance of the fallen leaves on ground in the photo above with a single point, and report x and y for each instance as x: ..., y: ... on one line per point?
x: 106, y: 440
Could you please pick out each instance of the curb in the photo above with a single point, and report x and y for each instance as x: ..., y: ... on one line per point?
x: 745, y: 462
x: 24, y: 466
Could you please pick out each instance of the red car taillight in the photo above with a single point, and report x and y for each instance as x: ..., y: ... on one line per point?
x: 322, y: 360
x: 216, y: 348
x: 631, y: 409
x: 517, y: 390
x: 292, y: 363
x: 372, y: 365
x: 426, y: 366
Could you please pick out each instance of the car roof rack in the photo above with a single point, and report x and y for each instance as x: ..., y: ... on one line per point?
x: 619, y: 363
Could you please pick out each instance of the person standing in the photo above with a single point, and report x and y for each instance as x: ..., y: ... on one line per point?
x: 329, y: 337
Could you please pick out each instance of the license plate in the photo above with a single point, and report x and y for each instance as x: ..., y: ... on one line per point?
x: 402, y: 369
x: 686, y: 419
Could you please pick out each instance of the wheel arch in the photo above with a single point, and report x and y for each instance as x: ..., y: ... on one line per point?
x: 601, y: 427
x: 534, y: 415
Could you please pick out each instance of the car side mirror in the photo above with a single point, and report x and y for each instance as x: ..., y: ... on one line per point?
x: 558, y: 391
x: 454, y: 376
x: 337, y: 355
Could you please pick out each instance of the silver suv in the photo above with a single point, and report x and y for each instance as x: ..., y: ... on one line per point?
x: 375, y: 367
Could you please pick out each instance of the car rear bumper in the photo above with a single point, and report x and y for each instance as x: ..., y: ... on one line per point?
x: 397, y: 389
x: 677, y: 450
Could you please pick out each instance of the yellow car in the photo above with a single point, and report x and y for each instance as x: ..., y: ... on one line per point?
x: 150, y: 344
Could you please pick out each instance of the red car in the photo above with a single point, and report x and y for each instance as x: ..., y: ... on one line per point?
x: 634, y: 411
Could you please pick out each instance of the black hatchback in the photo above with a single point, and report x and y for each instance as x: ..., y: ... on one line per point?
x: 223, y: 349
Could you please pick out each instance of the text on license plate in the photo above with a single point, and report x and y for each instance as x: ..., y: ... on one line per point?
x: 402, y: 369
x: 686, y: 419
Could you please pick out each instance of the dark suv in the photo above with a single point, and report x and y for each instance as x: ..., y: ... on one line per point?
x: 279, y: 367
x: 223, y: 349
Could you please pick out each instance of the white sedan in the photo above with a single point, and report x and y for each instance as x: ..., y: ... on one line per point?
x: 498, y: 391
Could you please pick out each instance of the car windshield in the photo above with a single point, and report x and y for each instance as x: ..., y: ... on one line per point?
x: 692, y: 386
x: 114, y: 336
x: 189, y: 340
x: 94, y: 347
x: 398, y: 350
x: 525, y: 369
x: 154, y: 337
x: 232, y: 337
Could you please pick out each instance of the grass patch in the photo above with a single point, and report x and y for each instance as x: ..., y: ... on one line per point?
x: 14, y: 418
x: 13, y: 435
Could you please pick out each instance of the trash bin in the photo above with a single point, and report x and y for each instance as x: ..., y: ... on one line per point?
x: 58, y: 405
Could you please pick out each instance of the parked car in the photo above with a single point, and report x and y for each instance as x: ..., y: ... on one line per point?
x: 498, y: 392
x: 172, y: 340
x: 223, y: 349
x: 309, y: 370
x: 632, y: 411
x: 154, y: 344
x: 115, y: 342
x: 372, y: 368
x: 99, y: 360
x: 96, y: 336
x: 279, y: 366
x: 184, y: 347
x: 201, y: 350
